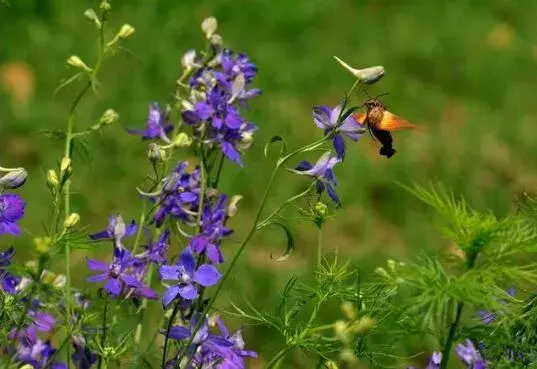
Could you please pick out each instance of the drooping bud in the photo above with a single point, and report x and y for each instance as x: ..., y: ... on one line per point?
x: 232, y: 208
x: 65, y: 168
x: 182, y: 140
x: 71, y: 221
x: 93, y: 17
x: 105, y: 6
x: 125, y: 31
x: 367, y: 76
x: 14, y: 179
x: 76, y: 62
x: 109, y: 116
x: 155, y: 153
x: 209, y: 26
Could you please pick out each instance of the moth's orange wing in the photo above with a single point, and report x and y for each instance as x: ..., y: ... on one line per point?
x: 391, y: 122
x: 360, y: 117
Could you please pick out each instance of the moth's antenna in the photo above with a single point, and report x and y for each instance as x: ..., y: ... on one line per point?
x: 365, y: 91
x: 383, y: 94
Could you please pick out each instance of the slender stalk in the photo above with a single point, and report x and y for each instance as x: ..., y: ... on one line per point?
x: 105, y: 328
x: 218, y: 171
x: 278, y: 358
x: 166, y: 338
x: 453, y: 327
x: 319, y: 246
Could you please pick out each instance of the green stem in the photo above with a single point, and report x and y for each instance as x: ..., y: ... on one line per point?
x: 105, y: 328
x: 453, y: 327
x: 319, y: 246
x: 278, y: 358
x: 166, y: 338
x: 218, y: 171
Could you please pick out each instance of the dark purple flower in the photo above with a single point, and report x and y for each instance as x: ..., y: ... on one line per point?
x: 9, y: 282
x: 179, y: 197
x: 323, y: 174
x: 213, y: 230
x: 155, y: 252
x: 6, y: 256
x: 82, y: 356
x: 38, y: 355
x: 11, y: 211
x: 116, y: 231
x: 233, y: 356
x: 157, y: 125
x: 117, y: 275
x: 327, y: 119
x: 187, y: 275
x: 469, y: 355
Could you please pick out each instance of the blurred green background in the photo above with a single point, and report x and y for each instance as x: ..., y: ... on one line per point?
x: 464, y: 70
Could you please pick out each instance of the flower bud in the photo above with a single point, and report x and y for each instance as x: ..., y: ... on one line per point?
x: 209, y: 26
x: 188, y: 61
x: 364, y: 324
x: 93, y: 17
x: 105, y: 6
x: 182, y: 140
x: 341, y: 332
x: 232, y: 207
x: 14, y: 179
x: 216, y: 41
x: 31, y: 266
x: 320, y: 211
x: 52, y: 179
x: 109, y: 116
x: 368, y: 75
x: 382, y: 272
x: 391, y: 265
x: 65, y: 168
x: 247, y: 138
x: 155, y: 153
x: 60, y: 281
x: 347, y: 356
x: 27, y: 366
x: 47, y: 277
x: 331, y: 365
x: 43, y: 244
x: 348, y: 310
x: 71, y: 221
x: 125, y: 31
x: 76, y: 62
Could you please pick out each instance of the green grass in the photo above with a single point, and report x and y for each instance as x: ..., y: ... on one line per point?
x: 446, y: 69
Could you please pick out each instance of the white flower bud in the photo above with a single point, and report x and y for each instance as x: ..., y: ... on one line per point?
x: 93, y: 17
x: 125, y: 31
x: 209, y: 26
x: 72, y: 220
x: 52, y: 179
x: 232, y: 207
x: 367, y: 75
x: 14, y: 179
x: 76, y: 62
x: 65, y: 167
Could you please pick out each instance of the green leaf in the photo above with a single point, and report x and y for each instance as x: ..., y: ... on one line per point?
x: 273, y: 140
x: 290, y: 242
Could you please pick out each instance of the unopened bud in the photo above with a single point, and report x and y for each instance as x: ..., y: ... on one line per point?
x: 182, y: 140
x: 105, y: 6
x: 47, y: 277
x: 188, y: 61
x: 367, y: 75
x: 52, y: 179
x: 27, y: 366
x: 125, y: 31
x: 42, y: 244
x: 216, y: 41
x: 76, y: 62
x: 209, y: 26
x: 31, y: 266
x: 232, y: 208
x: 347, y: 355
x: 72, y: 220
x: 391, y: 265
x: 348, y: 310
x: 331, y: 365
x: 65, y: 167
x: 60, y: 281
x: 341, y: 331
x: 109, y: 116
x: 247, y: 138
x: 382, y: 272
x: 14, y: 179
x: 364, y: 324
x: 155, y: 153
x: 92, y: 16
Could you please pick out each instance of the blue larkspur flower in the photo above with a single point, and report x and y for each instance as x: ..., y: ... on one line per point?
x: 323, y: 173
x: 216, y: 95
x: 156, y: 125
x: 326, y: 118
x: 187, y: 276
x: 232, y: 356
x: 469, y: 355
x: 116, y: 231
x: 118, y: 275
x: 11, y: 211
x: 38, y: 355
x: 487, y: 317
x: 213, y: 230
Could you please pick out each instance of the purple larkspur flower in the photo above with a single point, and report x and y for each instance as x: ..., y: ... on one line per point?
x: 8, y: 281
x: 11, y: 211
x: 326, y: 118
x: 117, y: 275
x: 179, y: 197
x: 156, y: 125
x: 233, y: 356
x: 155, y: 252
x: 216, y: 94
x: 323, y: 174
x: 37, y: 355
x: 116, y: 231
x: 187, y: 276
x: 82, y: 356
x: 469, y: 355
x: 213, y: 230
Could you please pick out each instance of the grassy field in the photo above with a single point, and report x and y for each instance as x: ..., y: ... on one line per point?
x: 464, y: 70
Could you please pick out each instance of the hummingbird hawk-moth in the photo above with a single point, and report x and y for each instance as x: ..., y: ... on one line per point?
x: 381, y: 123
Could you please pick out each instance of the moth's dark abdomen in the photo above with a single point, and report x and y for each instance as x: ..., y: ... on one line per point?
x: 385, y: 138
